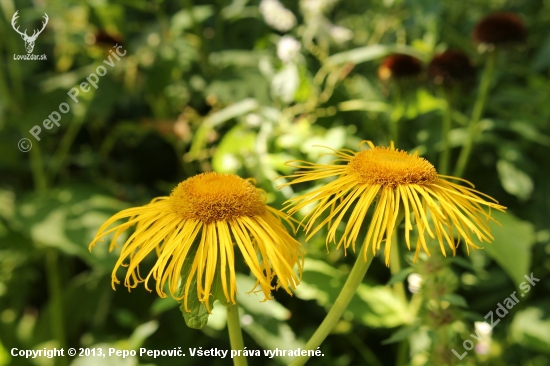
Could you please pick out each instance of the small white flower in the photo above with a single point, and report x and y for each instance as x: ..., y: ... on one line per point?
x: 415, y: 282
x: 340, y: 34
x: 484, y: 328
x: 277, y: 16
x: 253, y: 119
x: 287, y: 48
x: 315, y: 7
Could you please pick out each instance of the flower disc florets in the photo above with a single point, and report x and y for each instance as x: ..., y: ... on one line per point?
x: 211, y: 197
x: 388, y: 167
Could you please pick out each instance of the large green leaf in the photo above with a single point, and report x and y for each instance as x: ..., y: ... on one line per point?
x: 511, y: 248
x: 265, y: 321
x: 68, y: 218
x: 375, y: 306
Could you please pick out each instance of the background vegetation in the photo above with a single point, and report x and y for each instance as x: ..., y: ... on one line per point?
x: 203, y: 87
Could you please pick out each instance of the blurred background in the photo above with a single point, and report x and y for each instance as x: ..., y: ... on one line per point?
x: 242, y: 86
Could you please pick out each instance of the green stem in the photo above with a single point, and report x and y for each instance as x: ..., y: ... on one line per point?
x: 445, y: 129
x: 414, y: 306
x: 368, y: 355
x: 402, y: 353
x: 396, y: 115
x: 65, y: 145
x: 340, y: 305
x: 395, y: 267
x: 477, y: 112
x: 56, y: 305
x: 235, y: 333
x: 37, y: 168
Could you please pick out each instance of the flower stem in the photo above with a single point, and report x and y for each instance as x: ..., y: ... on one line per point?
x: 37, y: 169
x: 235, y: 333
x: 395, y: 267
x: 479, y: 106
x: 54, y: 288
x: 340, y: 305
x: 67, y: 140
x: 445, y: 129
x: 399, y: 110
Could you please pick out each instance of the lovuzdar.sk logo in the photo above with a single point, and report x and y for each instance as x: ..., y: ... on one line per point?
x: 29, y: 40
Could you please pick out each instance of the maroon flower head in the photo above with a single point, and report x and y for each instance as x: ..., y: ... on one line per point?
x: 500, y: 28
x: 399, y: 66
x: 105, y: 39
x: 451, y: 67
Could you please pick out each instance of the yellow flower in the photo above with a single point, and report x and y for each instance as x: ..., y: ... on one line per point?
x: 206, y: 215
x: 399, y: 185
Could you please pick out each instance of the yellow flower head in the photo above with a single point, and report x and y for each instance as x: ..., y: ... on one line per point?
x: 400, y: 186
x: 206, y: 215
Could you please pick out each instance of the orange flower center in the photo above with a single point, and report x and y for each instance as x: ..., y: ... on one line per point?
x: 390, y: 167
x: 211, y: 197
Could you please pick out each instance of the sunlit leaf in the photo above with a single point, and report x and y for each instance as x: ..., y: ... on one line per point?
x: 514, y: 180
x: 531, y: 327
x: 68, y: 218
x: 373, y: 52
x: 375, y: 306
x: 511, y: 248
x: 265, y: 321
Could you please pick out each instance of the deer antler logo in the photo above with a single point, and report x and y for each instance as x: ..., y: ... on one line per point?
x: 29, y: 41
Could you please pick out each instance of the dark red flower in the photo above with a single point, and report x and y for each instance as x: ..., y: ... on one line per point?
x: 500, y: 28
x: 105, y: 39
x: 451, y: 67
x: 399, y: 66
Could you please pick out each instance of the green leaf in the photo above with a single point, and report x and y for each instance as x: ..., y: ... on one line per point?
x: 462, y: 262
x: 514, y: 180
x: 253, y: 302
x: 235, y: 110
x: 68, y: 218
x: 402, y: 333
x: 239, y: 58
x: 455, y: 299
x: 373, y: 52
x: 186, y: 19
x: 286, y: 82
x: 141, y: 333
x: 364, y: 105
x: 529, y: 132
x: 233, y: 149
x: 265, y: 321
x: 511, y: 247
x: 400, y: 276
x: 374, y: 306
x: 161, y: 305
x: 197, y: 316
x: 217, y: 118
x: 531, y: 327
